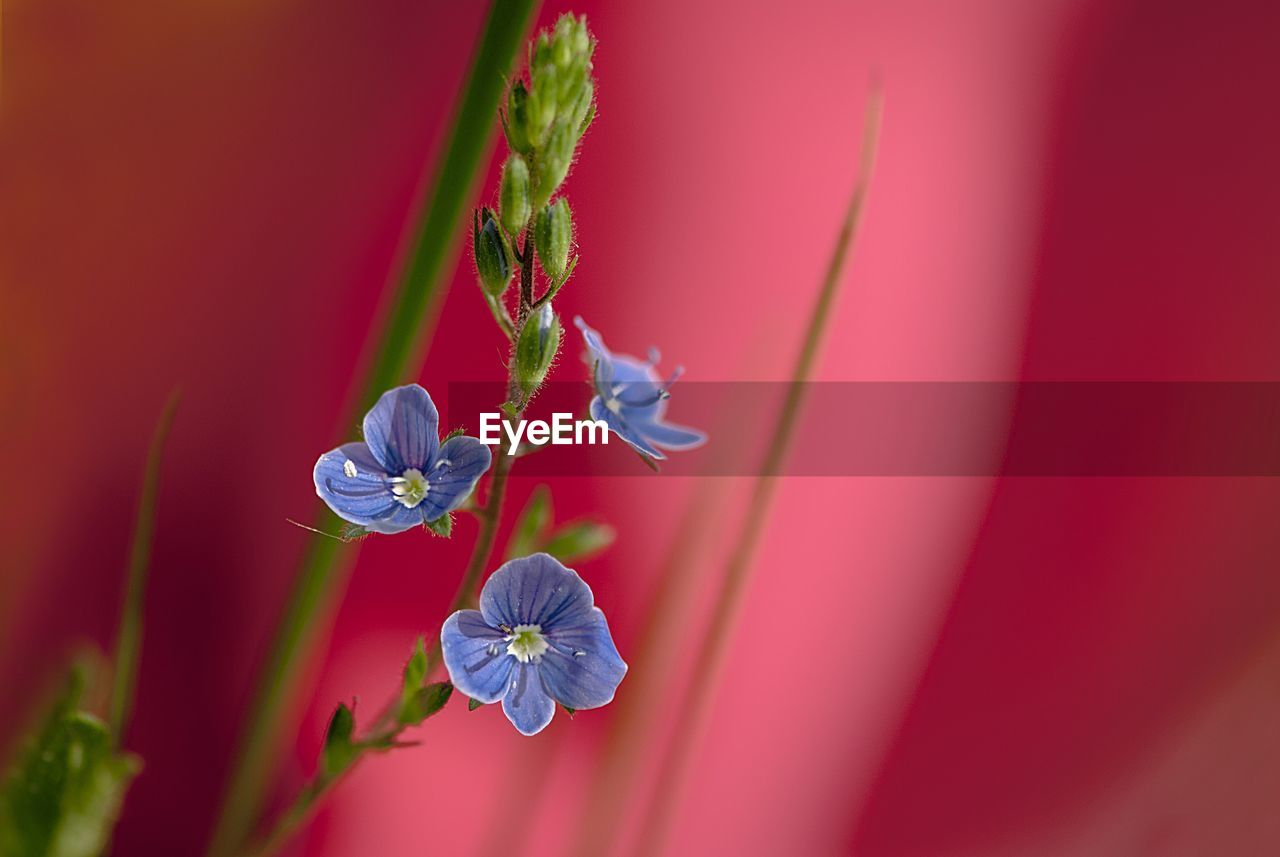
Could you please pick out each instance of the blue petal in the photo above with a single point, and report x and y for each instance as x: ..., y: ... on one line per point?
x: 582, y: 668
x: 595, y: 343
x: 526, y: 704
x: 670, y: 435
x: 476, y: 656
x: 598, y: 356
x: 459, y: 464
x: 361, y: 499
x: 399, y: 520
x: 535, y: 590
x: 619, y: 426
x: 402, y: 429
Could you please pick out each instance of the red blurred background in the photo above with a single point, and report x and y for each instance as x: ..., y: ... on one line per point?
x: 213, y: 195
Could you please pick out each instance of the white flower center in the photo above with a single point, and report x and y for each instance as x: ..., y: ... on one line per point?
x: 410, y: 487
x: 525, y: 642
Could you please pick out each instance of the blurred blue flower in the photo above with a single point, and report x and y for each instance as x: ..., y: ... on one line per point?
x: 400, y: 475
x: 536, y: 640
x: 632, y: 399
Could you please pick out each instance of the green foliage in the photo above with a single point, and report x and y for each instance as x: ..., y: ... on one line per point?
x: 492, y: 255
x: 473, y: 704
x: 426, y: 702
x: 553, y: 237
x: 415, y: 673
x: 549, y: 116
x: 579, y: 540
x: 63, y: 794
x: 513, y: 195
x: 534, y: 520
x: 340, y: 749
x: 417, y: 702
x: 516, y: 122
x: 572, y: 541
x: 536, y: 349
x: 441, y: 526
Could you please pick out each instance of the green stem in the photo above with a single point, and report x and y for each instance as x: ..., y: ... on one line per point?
x: 711, y: 654
x: 129, y: 636
x: 399, y: 345
x: 385, y: 729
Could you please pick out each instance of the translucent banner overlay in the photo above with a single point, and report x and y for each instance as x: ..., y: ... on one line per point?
x: 928, y: 429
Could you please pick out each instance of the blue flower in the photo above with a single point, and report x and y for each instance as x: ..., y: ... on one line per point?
x: 400, y: 475
x: 536, y: 640
x: 631, y: 399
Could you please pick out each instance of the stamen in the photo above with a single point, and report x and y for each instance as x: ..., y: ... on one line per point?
x: 410, y: 488
x: 526, y: 643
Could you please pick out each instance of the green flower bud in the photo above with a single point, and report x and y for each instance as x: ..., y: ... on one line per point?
x: 583, y: 109
x: 557, y: 157
x: 518, y: 118
x: 536, y: 348
x: 513, y: 195
x: 553, y: 237
x: 493, y: 257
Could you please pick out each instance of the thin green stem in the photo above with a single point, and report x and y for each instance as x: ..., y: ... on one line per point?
x: 710, y: 657
x: 399, y: 346
x: 129, y: 635
x: 385, y: 729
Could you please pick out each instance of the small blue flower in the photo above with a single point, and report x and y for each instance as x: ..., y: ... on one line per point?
x: 536, y: 640
x: 400, y: 475
x: 631, y: 399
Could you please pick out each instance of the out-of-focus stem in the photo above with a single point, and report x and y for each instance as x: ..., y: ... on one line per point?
x: 709, y: 660
x: 124, y: 674
x: 398, y: 349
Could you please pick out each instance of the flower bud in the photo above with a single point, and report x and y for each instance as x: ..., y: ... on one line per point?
x: 553, y: 236
x: 583, y: 109
x: 557, y: 157
x: 536, y: 348
x: 493, y: 259
x: 513, y: 195
x: 518, y: 118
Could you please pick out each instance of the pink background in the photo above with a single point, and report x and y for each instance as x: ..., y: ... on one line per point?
x: 213, y: 197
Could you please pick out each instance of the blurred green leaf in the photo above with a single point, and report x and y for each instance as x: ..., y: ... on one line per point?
x: 339, y: 749
x: 63, y: 794
x: 532, y: 523
x: 426, y: 702
x: 579, y: 540
x: 473, y: 704
x: 128, y: 651
x: 415, y: 672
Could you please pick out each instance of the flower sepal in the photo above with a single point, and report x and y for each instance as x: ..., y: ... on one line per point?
x: 340, y: 748
x: 441, y: 526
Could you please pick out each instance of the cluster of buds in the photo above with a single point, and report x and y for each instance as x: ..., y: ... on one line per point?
x: 544, y: 122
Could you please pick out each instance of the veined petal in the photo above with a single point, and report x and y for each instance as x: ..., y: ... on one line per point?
x: 619, y: 426
x: 598, y: 356
x: 582, y: 669
x: 397, y: 521
x: 527, y: 704
x: 670, y: 435
x: 476, y: 656
x: 595, y: 343
x: 353, y: 484
x: 402, y: 429
x: 535, y: 590
x: 460, y: 462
